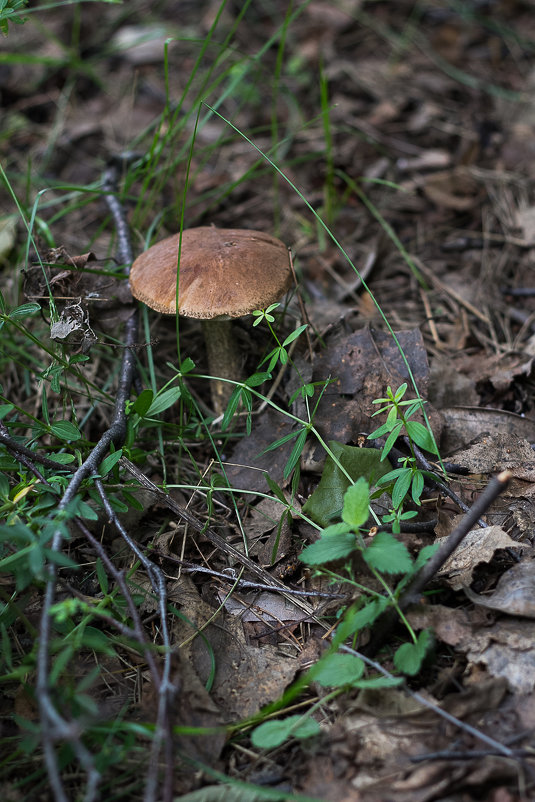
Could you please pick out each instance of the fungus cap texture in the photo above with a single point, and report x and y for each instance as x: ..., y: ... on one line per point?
x: 228, y: 272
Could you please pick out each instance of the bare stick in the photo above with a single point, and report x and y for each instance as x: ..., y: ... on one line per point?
x: 495, y: 745
x: 496, y: 486
x: 119, y: 577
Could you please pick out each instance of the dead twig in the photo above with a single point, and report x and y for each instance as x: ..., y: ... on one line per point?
x: 163, y: 735
x: 230, y: 576
x: 481, y: 736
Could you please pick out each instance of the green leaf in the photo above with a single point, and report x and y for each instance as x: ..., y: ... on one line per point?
x: 36, y: 561
x: 387, y: 555
x: 232, y: 406
x: 384, y: 429
x: 133, y: 502
x: 425, y: 554
x: 5, y: 409
x: 187, y: 365
x: 102, y: 576
x: 84, y: 510
x: 401, y: 488
x: 110, y: 462
x: 392, y: 418
x: 116, y: 504
x: 95, y: 639
x: 409, y: 657
x: 417, y: 487
x: 164, y: 400
x: 412, y: 408
x: 295, y: 453
x: 337, y: 670
x: 271, y: 734
x: 271, y: 358
x: 65, y: 430
x: 421, y: 436
x: 25, y: 310
x: 328, y: 498
x: 356, y: 504
x: 275, y: 489
x: 274, y: 359
x: 281, y: 441
x: 75, y: 359
x: 391, y: 439
x: 257, y: 378
x: 142, y: 403
x: 379, y: 682
x: 390, y: 477
x: 356, y: 620
x: 293, y: 336
x: 327, y: 549
x: 400, y: 392
x: 63, y: 459
x: 335, y: 529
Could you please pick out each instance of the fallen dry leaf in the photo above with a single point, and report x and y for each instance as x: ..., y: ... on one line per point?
x: 479, y: 546
x: 499, y: 451
x: 362, y: 365
x: 464, y: 423
x: 454, y: 189
x: 247, y: 676
x: 505, y: 647
x: 514, y: 594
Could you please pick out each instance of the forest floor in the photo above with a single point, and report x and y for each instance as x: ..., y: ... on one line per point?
x: 391, y: 147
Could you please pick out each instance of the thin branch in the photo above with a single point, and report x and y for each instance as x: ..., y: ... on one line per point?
x: 486, y: 739
x: 119, y: 577
x: 495, y: 487
x: 218, y: 541
x: 230, y: 576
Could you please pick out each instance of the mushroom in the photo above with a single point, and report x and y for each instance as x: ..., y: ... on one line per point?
x: 224, y: 273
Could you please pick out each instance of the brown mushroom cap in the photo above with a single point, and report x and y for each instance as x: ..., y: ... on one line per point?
x: 227, y: 272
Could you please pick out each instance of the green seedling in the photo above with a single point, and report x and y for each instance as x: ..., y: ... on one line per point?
x: 9, y: 12
x: 407, y: 481
x: 386, y: 558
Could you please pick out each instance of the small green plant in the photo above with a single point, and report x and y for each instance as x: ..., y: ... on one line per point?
x: 9, y: 12
x: 406, y: 481
x: 385, y: 557
x: 399, y: 412
x: 340, y: 673
x: 243, y: 394
x: 280, y: 352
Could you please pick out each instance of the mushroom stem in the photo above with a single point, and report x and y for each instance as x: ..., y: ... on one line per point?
x: 224, y: 361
